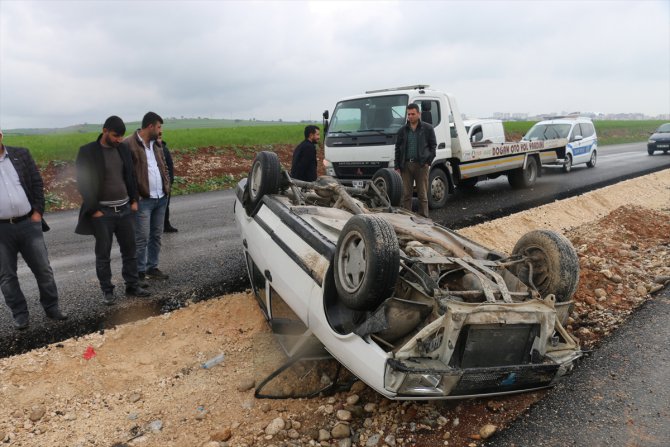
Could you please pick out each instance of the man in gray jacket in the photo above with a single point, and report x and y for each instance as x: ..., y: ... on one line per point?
x: 414, y: 153
x: 153, y: 186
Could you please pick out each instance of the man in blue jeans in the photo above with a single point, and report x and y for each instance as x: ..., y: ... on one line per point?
x: 106, y: 182
x: 21, y: 209
x: 153, y: 186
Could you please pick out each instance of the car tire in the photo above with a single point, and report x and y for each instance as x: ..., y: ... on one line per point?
x: 592, y: 161
x: 468, y: 183
x: 263, y: 179
x: 438, y: 189
x: 389, y: 181
x: 650, y: 151
x: 555, y: 265
x: 524, y: 177
x: 567, y: 164
x: 367, y: 262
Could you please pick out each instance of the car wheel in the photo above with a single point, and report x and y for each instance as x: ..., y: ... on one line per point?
x: 650, y: 151
x: 468, y: 183
x: 567, y: 164
x: 389, y: 182
x: 263, y: 178
x: 553, y: 262
x: 592, y: 161
x: 367, y: 261
x: 438, y: 189
x: 524, y: 177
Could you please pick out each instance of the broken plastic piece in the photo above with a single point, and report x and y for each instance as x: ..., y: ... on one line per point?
x: 213, y: 361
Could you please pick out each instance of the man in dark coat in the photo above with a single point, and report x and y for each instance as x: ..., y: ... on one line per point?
x: 303, y: 166
x: 106, y: 182
x: 21, y: 226
x: 414, y: 153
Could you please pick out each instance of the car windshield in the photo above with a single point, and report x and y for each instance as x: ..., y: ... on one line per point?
x: 374, y: 114
x: 665, y: 128
x: 547, y: 132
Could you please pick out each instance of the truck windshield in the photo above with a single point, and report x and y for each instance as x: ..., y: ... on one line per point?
x: 376, y: 114
x: 547, y: 132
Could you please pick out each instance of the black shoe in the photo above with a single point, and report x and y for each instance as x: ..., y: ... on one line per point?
x: 55, y: 314
x: 156, y: 274
x: 169, y: 229
x: 108, y: 298
x: 141, y: 275
x: 21, y: 322
x: 136, y: 291
x: 142, y: 283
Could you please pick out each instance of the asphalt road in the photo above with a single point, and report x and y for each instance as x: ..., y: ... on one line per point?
x: 204, y: 259
x: 618, y: 396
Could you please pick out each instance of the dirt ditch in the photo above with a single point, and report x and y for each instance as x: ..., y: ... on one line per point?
x: 142, y: 383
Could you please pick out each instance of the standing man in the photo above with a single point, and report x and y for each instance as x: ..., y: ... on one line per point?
x: 106, y: 182
x: 303, y: 166
x: 21, y: 210
x: 167, y: 226
x: 153, y: 187
x: 414, y: 153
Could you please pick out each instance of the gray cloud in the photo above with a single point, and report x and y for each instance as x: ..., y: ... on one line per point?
x: 65, y: 62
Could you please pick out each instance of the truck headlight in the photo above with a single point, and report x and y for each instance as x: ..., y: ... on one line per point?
x: 651, y: 141
x: 330, y: 170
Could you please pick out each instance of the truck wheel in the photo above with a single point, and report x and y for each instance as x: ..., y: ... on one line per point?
x: 438, y: 189
x: 389, y: 182
x: 567, y: 164
x: 263, y: 178
x: 367, y: 261
x: 650, y: 151
x: 555, y: 265
x: 592, y: 161
x: 524, y: 177
x: 468, y: 183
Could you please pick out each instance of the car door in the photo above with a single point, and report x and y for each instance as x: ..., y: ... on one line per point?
x: 578, y: 144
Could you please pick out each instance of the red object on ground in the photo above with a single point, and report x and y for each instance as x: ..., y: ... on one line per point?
x: 89, y: 353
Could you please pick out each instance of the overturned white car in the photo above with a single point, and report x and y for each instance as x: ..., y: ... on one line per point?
x: 410, y: 307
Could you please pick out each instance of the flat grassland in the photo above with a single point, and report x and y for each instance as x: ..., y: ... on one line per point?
x: 190, y: 135
x: 209, y: 158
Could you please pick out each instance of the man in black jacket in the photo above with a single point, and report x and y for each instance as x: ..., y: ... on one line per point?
x: 414, y: 153
x: 21, y: 226
x: 106, y: 182
x: 303, y: 166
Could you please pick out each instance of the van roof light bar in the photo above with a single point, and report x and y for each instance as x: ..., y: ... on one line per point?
x: 406, y: 87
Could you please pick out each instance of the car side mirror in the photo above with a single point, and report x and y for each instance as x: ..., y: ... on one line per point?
x: 577, y: 138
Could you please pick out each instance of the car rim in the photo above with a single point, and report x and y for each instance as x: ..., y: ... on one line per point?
x: 352, y: 262
x: 255, y: 180
x: 593, y: 159
x: 437, y: 189
x: 568, y: 164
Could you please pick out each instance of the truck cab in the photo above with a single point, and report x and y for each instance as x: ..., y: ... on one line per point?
x: 361, y: 135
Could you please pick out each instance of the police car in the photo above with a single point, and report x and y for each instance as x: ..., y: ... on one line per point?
x: 582, y: 144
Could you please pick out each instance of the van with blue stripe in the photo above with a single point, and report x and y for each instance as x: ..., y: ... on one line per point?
x: 582, y: 144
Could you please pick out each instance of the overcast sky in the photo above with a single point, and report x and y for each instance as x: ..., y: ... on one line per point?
x: 69, y: 62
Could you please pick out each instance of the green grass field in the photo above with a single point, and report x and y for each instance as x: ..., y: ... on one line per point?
x: 64, y: 146
x: 186, y: 135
